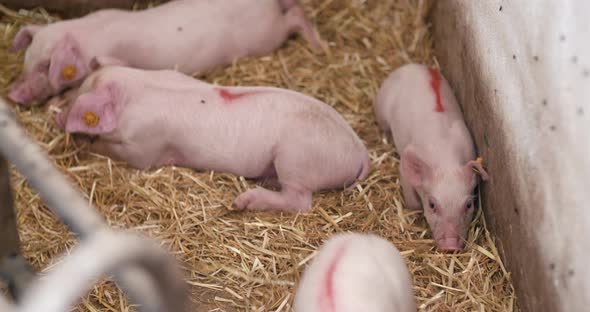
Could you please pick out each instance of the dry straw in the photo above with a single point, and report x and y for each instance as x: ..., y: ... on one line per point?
x: 253, y: 261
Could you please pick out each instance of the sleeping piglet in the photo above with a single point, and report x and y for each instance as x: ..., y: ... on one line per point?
x: 188, y: 35
x: 155, y: 118
x: 356, y: 272
x: 438, y: 171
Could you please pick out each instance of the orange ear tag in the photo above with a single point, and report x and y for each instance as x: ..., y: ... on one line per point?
x: 68, y: 72
x: 91, y: 119
x: 480, y: 161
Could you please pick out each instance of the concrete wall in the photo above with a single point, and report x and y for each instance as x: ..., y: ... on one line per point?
x: 521, y: 71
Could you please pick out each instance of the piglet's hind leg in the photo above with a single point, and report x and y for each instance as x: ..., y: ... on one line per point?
x: 288, y: 200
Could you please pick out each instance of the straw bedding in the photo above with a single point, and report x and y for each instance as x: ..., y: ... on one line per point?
x: 246, y: 261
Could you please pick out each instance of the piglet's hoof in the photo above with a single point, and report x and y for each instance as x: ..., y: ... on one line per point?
x: 244, y: 201
x: 237, y: 207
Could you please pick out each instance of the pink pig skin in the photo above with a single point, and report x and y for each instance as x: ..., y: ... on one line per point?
x: 154, y: 118
x: 417, y: 106
x: 353, y: 273
x: 188, y: 35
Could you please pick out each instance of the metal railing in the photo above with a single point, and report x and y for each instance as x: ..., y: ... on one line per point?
x: 146, y: 272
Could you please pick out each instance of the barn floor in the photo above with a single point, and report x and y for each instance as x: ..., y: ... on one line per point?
x: 253, y: 261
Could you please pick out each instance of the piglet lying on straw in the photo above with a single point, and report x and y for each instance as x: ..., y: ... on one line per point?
x: 438, y: 170
x: 155, y: 118
x: 189, y: 35
x: 356, y: 272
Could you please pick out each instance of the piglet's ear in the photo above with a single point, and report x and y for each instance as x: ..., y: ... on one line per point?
x: 414, y: 168
x: 94, y: 112
x: 477, y: 167
x: 101, y: 61
x: 66, y: 64
x: 24, y: 37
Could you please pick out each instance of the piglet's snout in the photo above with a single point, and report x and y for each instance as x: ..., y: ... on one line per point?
x: 17, y: 96
x: 17, y: 92
x: 450, y: 244
x: 449, y: 238
x: 28, y: 88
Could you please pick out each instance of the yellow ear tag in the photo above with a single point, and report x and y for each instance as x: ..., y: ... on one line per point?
x: 68, y: 72
x: 91, y: 119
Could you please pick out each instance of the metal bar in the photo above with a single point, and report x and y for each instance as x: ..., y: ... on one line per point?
x: 5, y: 306
x: 71, y: 207
x: 60, y: 196
x: 14, y: 269
x: 9, y: 243
x: 17, y: 273
x: 104, y: 254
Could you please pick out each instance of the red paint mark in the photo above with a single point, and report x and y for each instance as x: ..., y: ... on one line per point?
x: 327, y: 291
x: 228, y: 96
x: 435, y: 84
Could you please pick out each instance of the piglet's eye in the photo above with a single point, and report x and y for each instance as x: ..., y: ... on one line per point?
x: 431, y: 204
x: 469, y: 204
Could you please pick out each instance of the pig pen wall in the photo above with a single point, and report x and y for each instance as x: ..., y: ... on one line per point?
x: 521, y: 72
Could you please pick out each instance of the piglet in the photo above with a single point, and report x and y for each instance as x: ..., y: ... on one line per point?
x: 356, y: 272
x: 438, y: 171
x: 191, y: 36
x: 155, y: 118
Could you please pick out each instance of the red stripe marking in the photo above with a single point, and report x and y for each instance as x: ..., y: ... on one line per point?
x: 435, y: 84
x: 228, y: 96
x: 327, y: 292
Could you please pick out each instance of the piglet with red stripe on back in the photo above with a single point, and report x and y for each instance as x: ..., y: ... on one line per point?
x: 438, y: 167
x: 156, y: 118
x: 356, y: 272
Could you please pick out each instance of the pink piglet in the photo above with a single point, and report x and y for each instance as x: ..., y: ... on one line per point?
x: 356, y: 272
x: 438, y: 167
x: 191, y: 36
x: 156, y: 118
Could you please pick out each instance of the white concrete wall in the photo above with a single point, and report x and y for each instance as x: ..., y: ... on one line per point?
x: 521, y: 70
